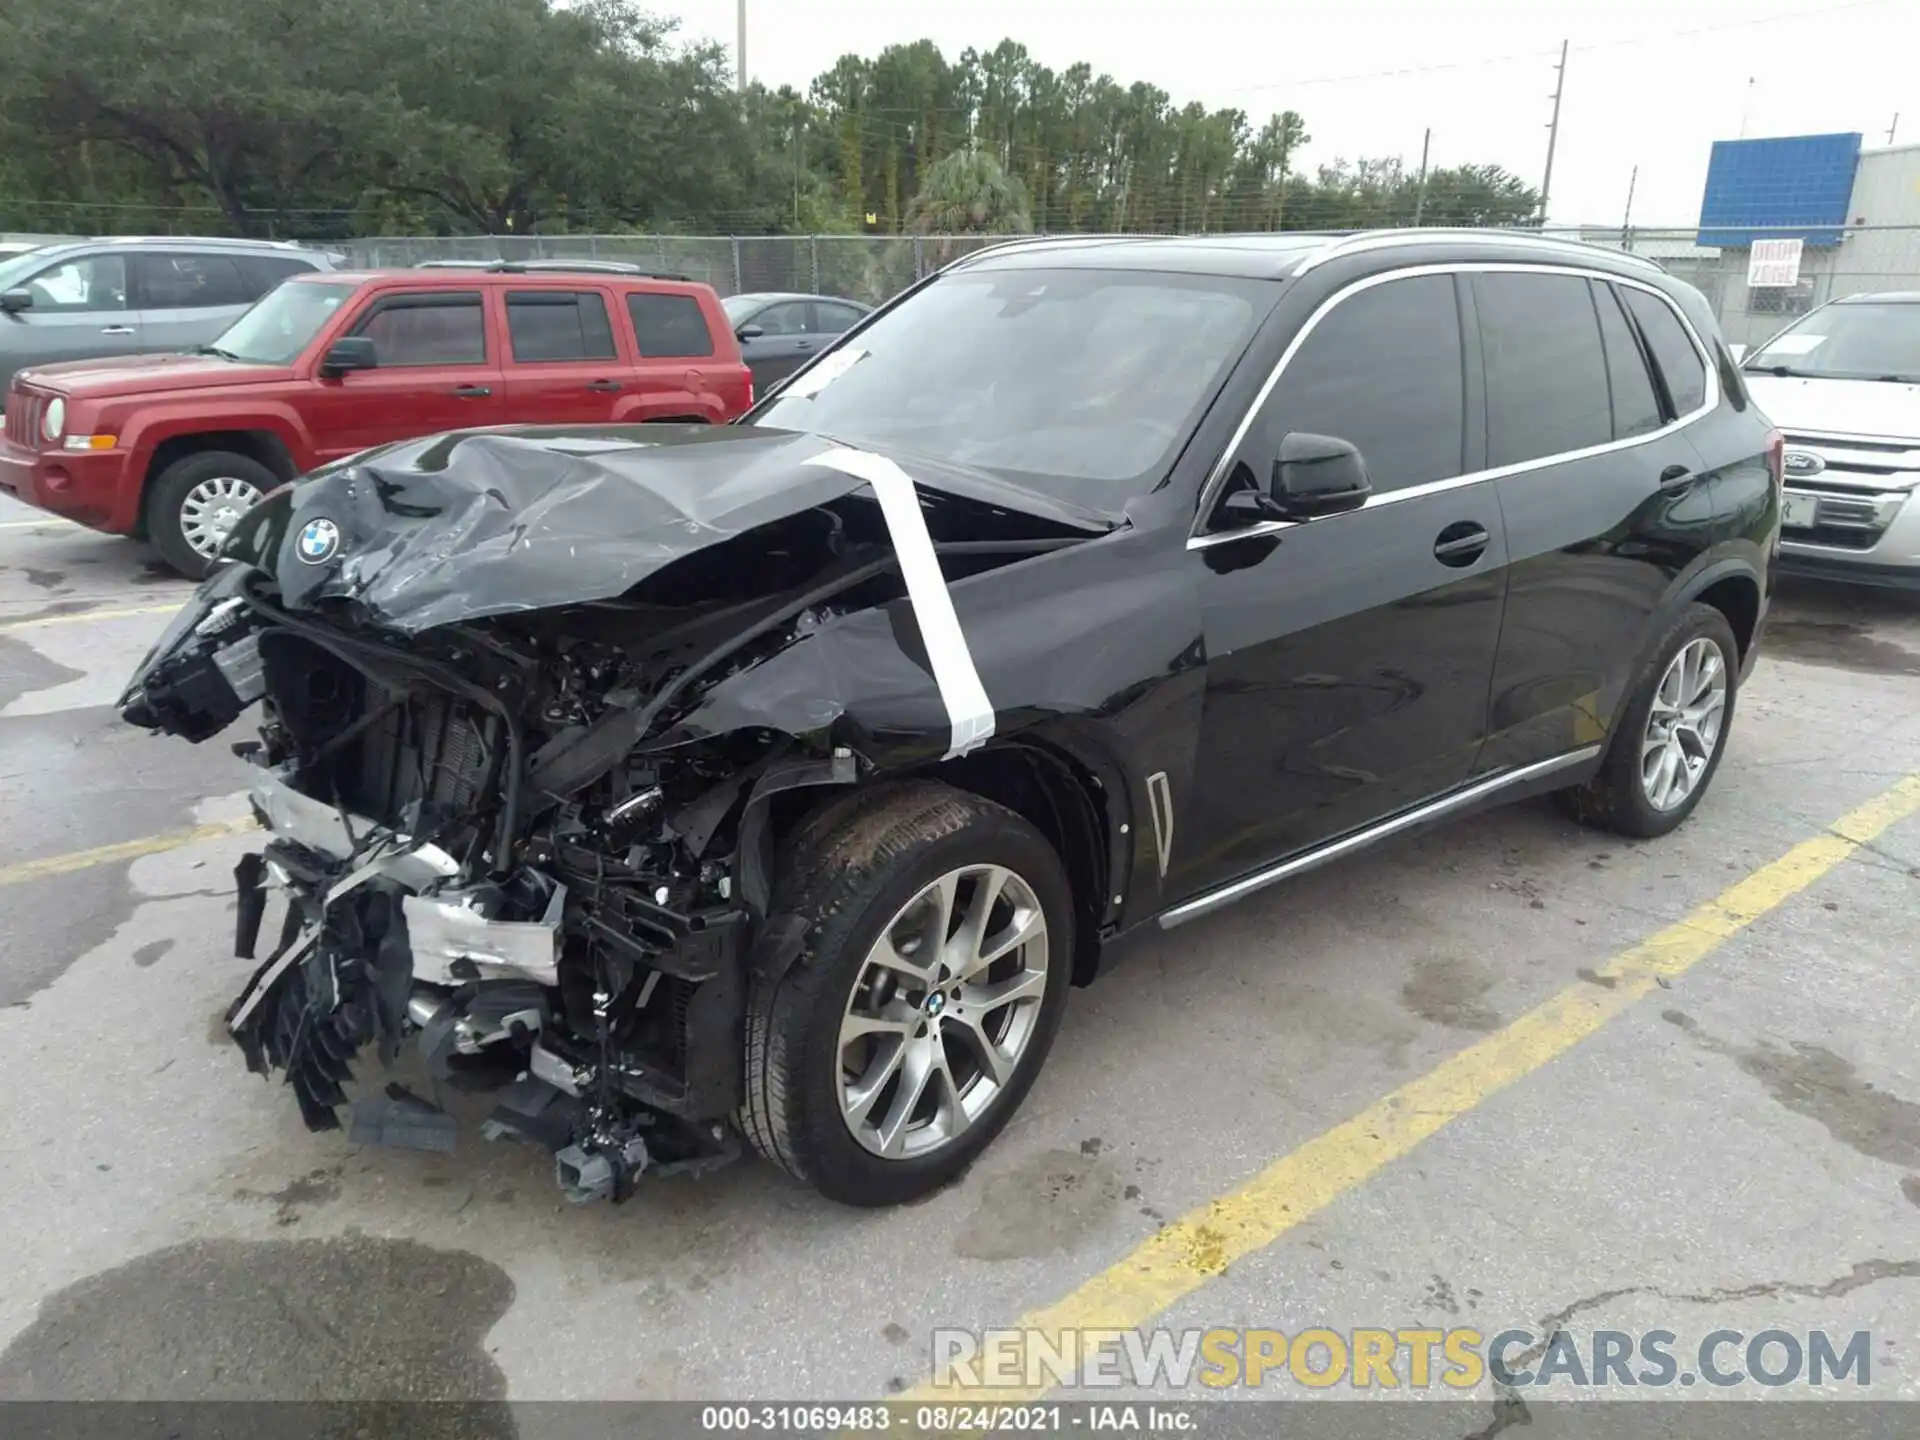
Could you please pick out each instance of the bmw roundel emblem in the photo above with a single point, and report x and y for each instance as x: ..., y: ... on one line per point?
x: 318, y: 542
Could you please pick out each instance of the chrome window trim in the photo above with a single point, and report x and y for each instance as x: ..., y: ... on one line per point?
x: 1217, y: 476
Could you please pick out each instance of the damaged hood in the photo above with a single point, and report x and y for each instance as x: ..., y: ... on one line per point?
x: 490, y: 522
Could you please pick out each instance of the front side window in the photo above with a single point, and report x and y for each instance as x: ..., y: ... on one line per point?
x: 1547, y: 390
x: 1081, y: 383
x: 789, y: 317
x: 437, y: 328
x: 98, y: 282
x: 190, y: 282
x: 1852, y: 340
x: 668, y: 327
x: 1381, y: 370
x: 559, y: 325
x: 283, y: 323
x: 1685, y: 372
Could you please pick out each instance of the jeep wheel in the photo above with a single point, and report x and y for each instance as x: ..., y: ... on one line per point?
x: 195, y: 503
x: 926, y: 994
x: 1671, y: 734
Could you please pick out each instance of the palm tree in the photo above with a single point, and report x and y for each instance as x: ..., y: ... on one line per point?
x: 968, y: 193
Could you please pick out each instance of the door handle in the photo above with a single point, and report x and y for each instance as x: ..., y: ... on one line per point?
x: 1460, y: 544
x: 803, y: 344
x: 1676, y: 479
x: 604, y: 387
x: 117, y: 330
x: 472, y: 392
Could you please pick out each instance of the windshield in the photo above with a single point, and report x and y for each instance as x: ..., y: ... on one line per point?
x: 17, y: 265
x: 1869, y: 341
x: 1079, y: 383
x: 738, y: 307
x: 283, y: 323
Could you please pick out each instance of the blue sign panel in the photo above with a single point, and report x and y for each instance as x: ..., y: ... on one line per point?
x: 1795, y: 186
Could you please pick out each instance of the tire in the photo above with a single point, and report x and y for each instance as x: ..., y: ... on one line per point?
x: 206, y: 479
x: 858, y: 868
x: 1618, y: 797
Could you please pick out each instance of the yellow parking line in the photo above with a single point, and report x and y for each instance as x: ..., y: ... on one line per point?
x: 123, y: 850
x: 1200, y: 1245
x: 77, y: 616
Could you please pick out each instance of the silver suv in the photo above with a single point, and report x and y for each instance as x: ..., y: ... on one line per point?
x: 95, y: 299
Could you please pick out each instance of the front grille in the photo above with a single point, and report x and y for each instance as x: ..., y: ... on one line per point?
x: 24, y: 408
x: 1838, y: 536
x: 419, y: 766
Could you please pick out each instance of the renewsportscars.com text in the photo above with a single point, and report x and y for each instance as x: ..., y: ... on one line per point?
x: 1388, y: 1359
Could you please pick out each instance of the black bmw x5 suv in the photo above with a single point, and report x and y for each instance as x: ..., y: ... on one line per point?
x: 776, y: 781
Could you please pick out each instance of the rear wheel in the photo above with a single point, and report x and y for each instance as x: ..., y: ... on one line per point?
x: 197, y: 500
x: 924, y: 999
x: 1671, y: 734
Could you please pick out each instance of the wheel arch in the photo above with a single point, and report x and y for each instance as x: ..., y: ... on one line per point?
x: 262, y: 446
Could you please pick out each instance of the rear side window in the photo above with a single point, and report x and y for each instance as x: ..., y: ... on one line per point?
x: 1382, y: 371
x: 189, y: 282
x: 263, y: 272
x: 831, y: 319
x: 669, y: 326
x: 559, y: 325
x: 1636, y: 409
x: 441, y: 328
x: 1546, y: 372
x: 1673, y: 352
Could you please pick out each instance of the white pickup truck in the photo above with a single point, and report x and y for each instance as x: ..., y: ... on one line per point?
x: 1843, y: 382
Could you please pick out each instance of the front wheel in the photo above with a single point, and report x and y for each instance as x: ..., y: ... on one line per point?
x: 929, y: 987
x: 195, y: 503
x: 1671, y: 734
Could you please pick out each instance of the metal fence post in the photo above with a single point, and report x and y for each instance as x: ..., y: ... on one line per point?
x: 739, y: 285
x: 813, y: 249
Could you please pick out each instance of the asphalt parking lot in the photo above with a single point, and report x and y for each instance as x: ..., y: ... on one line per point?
x: 1508, y: 1072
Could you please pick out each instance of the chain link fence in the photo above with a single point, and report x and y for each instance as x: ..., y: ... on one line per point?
x: 871, y: 268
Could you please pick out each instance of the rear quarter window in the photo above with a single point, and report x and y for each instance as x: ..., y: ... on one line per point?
x: 669, y: 326
x: 1673, y: 353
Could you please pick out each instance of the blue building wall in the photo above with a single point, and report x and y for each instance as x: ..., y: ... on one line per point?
x: 1798, y: 185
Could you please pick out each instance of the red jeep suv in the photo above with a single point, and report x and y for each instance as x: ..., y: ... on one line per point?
x: 174, y: 448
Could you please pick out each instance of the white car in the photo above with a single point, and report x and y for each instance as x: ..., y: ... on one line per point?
x: 1843, y: 382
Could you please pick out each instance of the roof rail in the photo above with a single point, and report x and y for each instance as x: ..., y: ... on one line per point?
x: 553, y: 267
x: 1024, y: 242
x: 1363, y: 240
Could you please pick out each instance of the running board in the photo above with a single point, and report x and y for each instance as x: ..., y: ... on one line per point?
x: 1360, y: 839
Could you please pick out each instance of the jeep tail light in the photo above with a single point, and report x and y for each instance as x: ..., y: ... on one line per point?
x: 1777, y: 458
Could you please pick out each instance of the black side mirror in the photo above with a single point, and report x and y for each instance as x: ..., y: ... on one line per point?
x: 1315, y: 476
x: 749, y: 332
x: 349, y: 352
x: 14, y: 301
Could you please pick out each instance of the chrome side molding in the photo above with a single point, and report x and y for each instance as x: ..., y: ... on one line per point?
x: 1360, y: 839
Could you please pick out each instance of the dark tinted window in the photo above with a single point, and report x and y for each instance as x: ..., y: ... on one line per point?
x: 669, y: 326
x: 559, y: 325
x: 1672, y: 351
x: 1382, y: 371
x: 189, y: 282
x: 263, y: 272
x: 1636, y: 409
x: 439, y: 329
x: 1546, y: 373
x: 831, y: 319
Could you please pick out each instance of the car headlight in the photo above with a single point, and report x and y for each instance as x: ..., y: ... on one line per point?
x: 55, y: 420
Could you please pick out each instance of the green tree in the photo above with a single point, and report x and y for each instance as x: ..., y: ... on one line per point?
x: 970, y: 193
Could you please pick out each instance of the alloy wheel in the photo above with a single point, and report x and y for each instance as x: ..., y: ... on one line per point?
x: 942, y: 1011
x: 1683, y: 727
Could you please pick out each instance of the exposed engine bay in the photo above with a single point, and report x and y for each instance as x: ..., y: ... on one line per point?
x: 521, y: 753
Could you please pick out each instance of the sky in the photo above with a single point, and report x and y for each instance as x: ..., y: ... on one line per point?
x: 1648, y: 85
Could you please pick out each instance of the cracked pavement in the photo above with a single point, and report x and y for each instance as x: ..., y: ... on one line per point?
x: 1740, y: 1150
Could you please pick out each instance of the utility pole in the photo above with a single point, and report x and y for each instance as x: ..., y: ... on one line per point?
x: 1553, y: 130
x: 740, y: 48
x: 1420, y: 194
x: 1893, y: 127
x: 1626, y: 220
